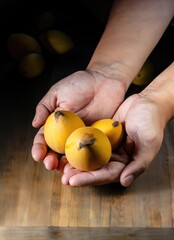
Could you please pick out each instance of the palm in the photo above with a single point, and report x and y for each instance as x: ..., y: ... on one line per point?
x: 107, y: 174
x: 144, y: 134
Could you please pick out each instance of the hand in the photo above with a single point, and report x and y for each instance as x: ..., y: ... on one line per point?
x: 144, y: 127
x: 107, y: 174
x: 144, y: 123
x: 89, y: 94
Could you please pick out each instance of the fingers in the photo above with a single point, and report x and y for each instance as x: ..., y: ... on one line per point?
x: 51, y: 160
x: 128, y: 145
x: 105, y: 175
x: 41, y: 153
x: 47, y: 105
x: 39, y: 148
x: 41, y: 115
x: 131, y: 172
x: 140, y: 163
x: 62, y: 164
x: 145, y: 151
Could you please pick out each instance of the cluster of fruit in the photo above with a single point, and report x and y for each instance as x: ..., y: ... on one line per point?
x: 85, y: 147
x: 27, y: 49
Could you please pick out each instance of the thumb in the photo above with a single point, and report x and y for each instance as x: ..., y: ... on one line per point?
x: 131, y: 172
x: 41, y: 115
x: 46, y: 106
x: 140, y: 163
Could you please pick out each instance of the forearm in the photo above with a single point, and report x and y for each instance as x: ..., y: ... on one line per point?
x: 161, y: 92
x: 133, y: 29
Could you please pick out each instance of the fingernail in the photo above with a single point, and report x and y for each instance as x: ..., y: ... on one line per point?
x: 128, y: 180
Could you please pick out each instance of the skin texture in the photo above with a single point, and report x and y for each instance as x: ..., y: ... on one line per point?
x: 111, y: 69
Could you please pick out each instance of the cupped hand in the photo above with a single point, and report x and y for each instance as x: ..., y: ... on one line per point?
x: 89, y: 94
x: 144, y: 126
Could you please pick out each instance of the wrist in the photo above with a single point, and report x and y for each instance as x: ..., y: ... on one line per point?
x: 162, y: 107
x: 161, y: 92
x: 117, y: 71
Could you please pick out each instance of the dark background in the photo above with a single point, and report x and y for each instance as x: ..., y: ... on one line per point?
x: 84, y: 22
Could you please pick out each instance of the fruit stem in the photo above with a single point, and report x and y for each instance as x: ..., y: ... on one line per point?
x: 57, y: 114
x: 115, y: 124
x: 87, y: 140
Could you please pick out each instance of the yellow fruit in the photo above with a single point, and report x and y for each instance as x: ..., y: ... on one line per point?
x: 56, y: 41
x: 113, y: 130
x: 87, y: 149
x: 145, y: 75
x: 46, y: 20
x: 59, y: 125
x: 20, y: 44
x: 32, y: 65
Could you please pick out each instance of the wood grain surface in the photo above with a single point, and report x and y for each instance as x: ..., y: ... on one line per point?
x: 64, y: 233
x: 32, y: 196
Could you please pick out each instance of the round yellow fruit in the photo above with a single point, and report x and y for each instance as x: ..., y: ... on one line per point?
x: 145, y: 75
x: 88, y: 149
x: 58, y: 126
x: 21, y: 44
x: 113, y: 130
x: 32, y: 65
x: 56, y: 41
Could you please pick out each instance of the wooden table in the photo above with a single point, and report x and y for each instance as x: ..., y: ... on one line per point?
x: 64, y: 233
x: 31, y: 196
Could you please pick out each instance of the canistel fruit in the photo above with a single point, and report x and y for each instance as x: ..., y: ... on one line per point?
x: 87, y: 149
x: 32, y: 65
x: 113, y: 130
x: 58, y: 126
x: 21, y: 44
x: 145, y: 75
x: 56, y: 42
